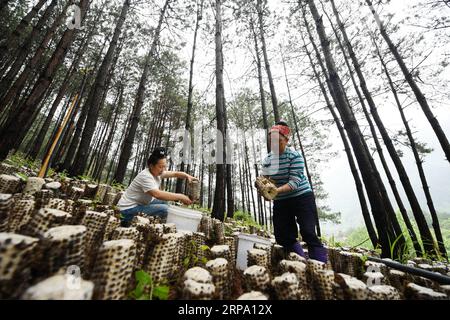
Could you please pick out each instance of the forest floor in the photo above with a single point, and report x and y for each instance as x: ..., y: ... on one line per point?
x: 348, y: 275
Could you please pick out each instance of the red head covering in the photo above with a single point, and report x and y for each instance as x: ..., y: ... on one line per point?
x: 283, y: 130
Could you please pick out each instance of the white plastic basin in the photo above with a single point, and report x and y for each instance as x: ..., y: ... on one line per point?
x: 184, y: 219
x: 246, y: 242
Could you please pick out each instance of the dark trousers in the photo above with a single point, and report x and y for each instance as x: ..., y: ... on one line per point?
x: 288, y: 212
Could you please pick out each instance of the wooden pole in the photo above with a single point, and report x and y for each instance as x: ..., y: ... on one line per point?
x: 45, y: 164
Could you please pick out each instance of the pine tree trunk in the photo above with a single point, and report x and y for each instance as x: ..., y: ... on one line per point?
x: 209, y: 186
x: 186, y: 143
x: 94, y: 100
x: 381, y: 207
x: 14, y: 38
x: 107, y: 146
x: 255, y: 161
x: 260, y: 9
x: 250, y: 179
x: 3, y: 4
x: 308, y: 174
x: 248, y: 183
x: 261, y: 86
x: 12, y: 130
x: 391, y: 180
x: 18, y: 58
x: 138, y: 103
x: 241, y: 181
x: 353, y: 167
x: 202, y: 172
x: 69, y: 76
x: 102, y: 102
x: 30, y: 69
x: 427, y: 238
x: 414, y: 87
x: 65, y: 138
x: 71, y: 152
x: 419, y: 161
x: 218, y: 211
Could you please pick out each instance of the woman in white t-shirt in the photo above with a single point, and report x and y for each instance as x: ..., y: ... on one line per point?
x: 143, y: 194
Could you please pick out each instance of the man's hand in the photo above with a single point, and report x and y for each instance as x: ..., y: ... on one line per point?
x: 184, y: 199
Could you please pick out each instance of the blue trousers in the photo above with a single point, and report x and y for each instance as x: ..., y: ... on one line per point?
x: 158, y: 208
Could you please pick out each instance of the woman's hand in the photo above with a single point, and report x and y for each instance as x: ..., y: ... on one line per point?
x: 184, y: 199
x: 284, y: 189
x: 191, y: 178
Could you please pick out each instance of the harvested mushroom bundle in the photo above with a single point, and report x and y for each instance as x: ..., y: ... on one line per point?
x: 111, y: 225
x: 257, y: 278
x: 266, y: 187
x: 75, y: 193
x: 64, y: 246
x: 20, y: 215
x: 218, y: 231
x: 58, y: 204
x: 231, y: 243
x: 42, y: 198
x: 102, y: 190
x: 161, y: 261
x: 7, y: 169
x: 220, y: 273
x: 258, y: 257
x: 383, y: 292
x: 33, y: 185
x: 45, y: 219
x: 95, y: 223
x: 199, y: 239
x: 299, y: 269
x: 109, y: 198
x: 193, y: 191
x: 253, y: 295
x: 198, y: 284
x: 18, y: 254
x: 206, y: 226
x: 113, y: 269
x: 286, y: 286
x: 9, y: 184
x: 131, y: 234
x: 414, y: 291
x: 350, y: 288
x: 6, y: 203
x: 60, y: 287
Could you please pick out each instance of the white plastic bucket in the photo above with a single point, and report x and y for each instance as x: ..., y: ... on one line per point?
x: 184, y: 219
x: 246, y: 242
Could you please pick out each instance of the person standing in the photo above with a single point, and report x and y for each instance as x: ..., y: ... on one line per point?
x: 295, y: 200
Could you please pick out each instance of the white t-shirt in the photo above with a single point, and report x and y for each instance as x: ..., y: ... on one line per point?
x: 136, y: 194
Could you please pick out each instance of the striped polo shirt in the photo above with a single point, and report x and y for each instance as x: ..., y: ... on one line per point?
x: 288, y: 167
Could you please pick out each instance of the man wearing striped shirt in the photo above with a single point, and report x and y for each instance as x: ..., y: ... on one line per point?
x: 295, y: 200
